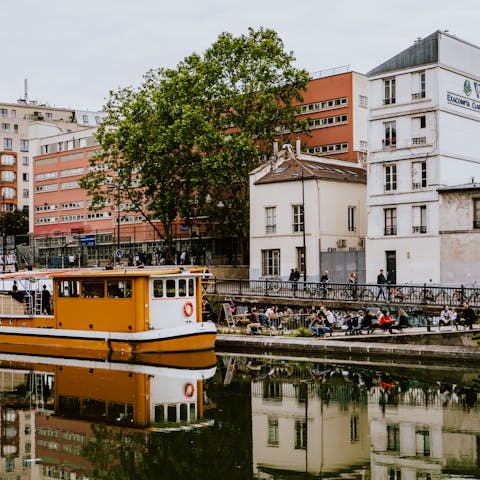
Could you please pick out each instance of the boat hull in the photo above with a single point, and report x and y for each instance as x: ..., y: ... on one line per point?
x: 194, y: 337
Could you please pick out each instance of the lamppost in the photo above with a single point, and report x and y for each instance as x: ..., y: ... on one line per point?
x: 303, y: 229
x: 4, y: 237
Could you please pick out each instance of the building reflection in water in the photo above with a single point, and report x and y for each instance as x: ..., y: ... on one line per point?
x: 57, y: 415
x: 326, y: 420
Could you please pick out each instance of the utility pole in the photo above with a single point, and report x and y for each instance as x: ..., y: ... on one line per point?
x: 303, y: 236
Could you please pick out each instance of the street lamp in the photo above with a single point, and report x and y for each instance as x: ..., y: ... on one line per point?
x: 303, y: 228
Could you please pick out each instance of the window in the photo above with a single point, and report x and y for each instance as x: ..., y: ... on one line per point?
x: 354, y: 429
x: 60, y: 147
x: 300, y: 434
x: 271, y: 219
x: 48, y: 115
x: 158, y: 288
x: 420, y: 86
x: 70, y: 144
x: 93, y: 289
x: 46, y: 176
x: 7, y: 176
x: 329, y: 149
x: 325, y: 105
x: 476, y: 213
x: 44, y: 149
x: 85, y: 118
x: 422, y: 442
x: 390, y: 138
x: 25, y: 161
x: 13, y: 114
x: 363, y: 101
x: 301, y: 259
x: 119, y: 289
x: 270, y: 262
x: 3, y: 113
x: 419, y: 175
x: 298, y: 218
x: 7, y: 144
x: 26, y: 193
x: 390, y: 221
x: 5, y: 127
x: 390, y: 177
x: 24, y: 145
x: 419, y: 217
x: 422, y: 121
x: 68, y: 185
x: 68, y: 288
x: 389, y: 89
x: 25, y: 177
x: 393, y: 438
x: 363, y: 145
x: 351, y: 218
x: 7, y: 160
x: 273, y: 432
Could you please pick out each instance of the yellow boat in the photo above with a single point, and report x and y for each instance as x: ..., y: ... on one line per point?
x: 126, y: 311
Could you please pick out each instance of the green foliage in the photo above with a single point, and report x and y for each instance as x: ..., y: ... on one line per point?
x: 183, y: 144
x: 15, y: 223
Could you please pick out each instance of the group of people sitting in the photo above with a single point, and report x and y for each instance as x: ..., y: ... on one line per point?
x: 271, y: 318
x: 449, y: 316
x: 373, y: 319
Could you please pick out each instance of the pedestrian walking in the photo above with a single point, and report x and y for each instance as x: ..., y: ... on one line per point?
x: 381, y: 282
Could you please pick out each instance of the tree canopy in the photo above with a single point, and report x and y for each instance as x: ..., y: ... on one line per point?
x: 183, y: 143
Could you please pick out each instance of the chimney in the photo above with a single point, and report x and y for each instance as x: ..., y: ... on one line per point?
x: 275, y: 148
x: 298, y: 146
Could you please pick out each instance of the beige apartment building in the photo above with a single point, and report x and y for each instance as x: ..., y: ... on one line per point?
x: 15, y: 152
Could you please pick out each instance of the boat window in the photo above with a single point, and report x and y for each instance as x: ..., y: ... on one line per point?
x: 119, y: 289
x: 170, y: 288
x: 158, y: 288
x: 191, y: 288
x: 182, y: 287
x: 68, y: 288
x: 93, y: 289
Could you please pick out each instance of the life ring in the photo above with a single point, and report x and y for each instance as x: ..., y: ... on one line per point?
x: 188, y: 309
x: 189, y: 390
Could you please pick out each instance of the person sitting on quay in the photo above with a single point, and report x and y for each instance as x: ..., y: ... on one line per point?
x: 317, y: 327
x: 403, y: 320
x: 254, y: 326
x: 468, y: 317
x: 444, y: 319
x: 386, y: 322
x: 329, y: 317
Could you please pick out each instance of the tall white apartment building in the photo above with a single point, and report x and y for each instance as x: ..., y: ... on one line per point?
x: 424, y: 130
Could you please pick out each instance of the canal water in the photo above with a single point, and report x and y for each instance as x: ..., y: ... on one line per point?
x: 236, y: 417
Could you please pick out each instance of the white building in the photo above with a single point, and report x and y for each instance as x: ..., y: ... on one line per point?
x: 330, y: 194
x: 424, y: 128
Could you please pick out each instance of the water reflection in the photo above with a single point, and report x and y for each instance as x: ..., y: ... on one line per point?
x: 189, y: 417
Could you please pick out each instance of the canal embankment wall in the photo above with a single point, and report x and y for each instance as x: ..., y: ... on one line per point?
x: 437, y: 348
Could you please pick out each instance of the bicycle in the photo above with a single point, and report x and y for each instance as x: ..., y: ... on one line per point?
x: 357, y: 293
x: 319, y: 290
x: 273, y: 283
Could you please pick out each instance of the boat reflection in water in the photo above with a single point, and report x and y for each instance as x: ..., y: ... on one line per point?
x: 66, y: 418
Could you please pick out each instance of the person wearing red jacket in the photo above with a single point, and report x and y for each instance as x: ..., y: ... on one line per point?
x: 386, y: 322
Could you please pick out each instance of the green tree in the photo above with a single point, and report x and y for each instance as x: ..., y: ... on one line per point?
x: 182, y: 145
x: 15, y: 222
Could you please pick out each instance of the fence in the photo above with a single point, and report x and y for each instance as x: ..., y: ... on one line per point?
x: 400, y: 294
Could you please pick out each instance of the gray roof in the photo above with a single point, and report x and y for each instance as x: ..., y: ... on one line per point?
x: 454, y: 188
x: 423, y: 52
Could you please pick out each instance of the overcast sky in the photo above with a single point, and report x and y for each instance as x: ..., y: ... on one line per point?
x: 74, y: 52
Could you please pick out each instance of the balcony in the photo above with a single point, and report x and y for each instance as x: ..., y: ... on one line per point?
x: 419, y: 140
x: 390, y: 231
x: 389, y: 101
x: 418, y: 96
x: 418, y: 185
x: 271, y: 229
x: 419, y: 229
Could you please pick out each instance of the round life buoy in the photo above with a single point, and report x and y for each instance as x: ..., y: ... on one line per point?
x: 189, y: 390
x: 188, y: 309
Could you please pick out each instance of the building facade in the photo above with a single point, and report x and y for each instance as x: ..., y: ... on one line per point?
x: 308, y: 213
x: 335, y: 104
x: 424, y: 126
